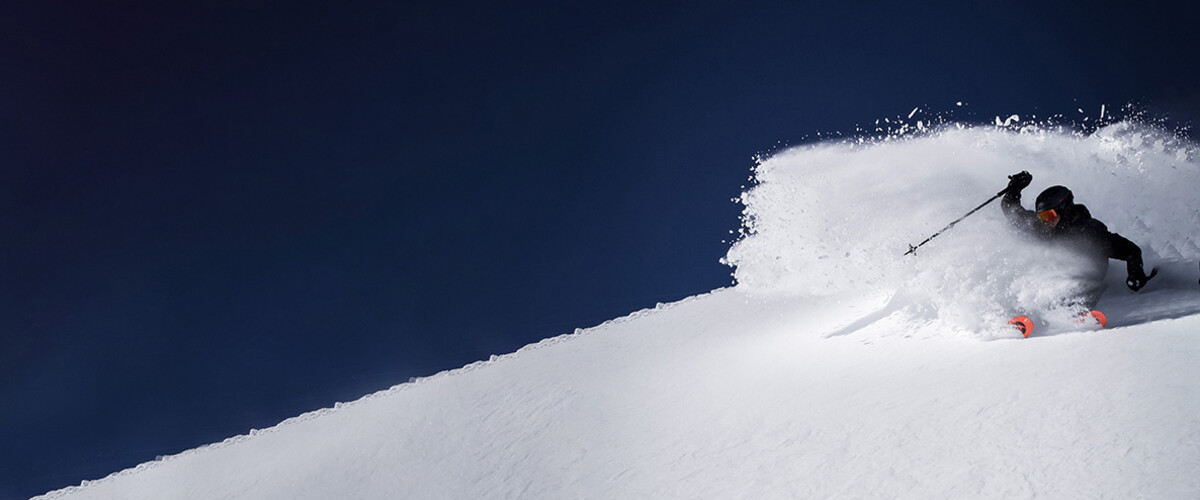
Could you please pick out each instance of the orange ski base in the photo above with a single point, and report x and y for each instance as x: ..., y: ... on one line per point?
x: 1025, y: 325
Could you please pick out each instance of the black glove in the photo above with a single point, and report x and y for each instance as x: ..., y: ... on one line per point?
x: 1018, y: 181
x: 1137, y: 279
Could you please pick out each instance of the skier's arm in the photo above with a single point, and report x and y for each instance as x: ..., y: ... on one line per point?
x: 1120, y: 248
x: 1011, y: 202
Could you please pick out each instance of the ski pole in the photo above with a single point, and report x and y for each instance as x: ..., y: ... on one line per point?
x: 913, y: 249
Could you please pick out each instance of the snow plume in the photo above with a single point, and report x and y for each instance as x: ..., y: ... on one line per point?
x: 837, y: 217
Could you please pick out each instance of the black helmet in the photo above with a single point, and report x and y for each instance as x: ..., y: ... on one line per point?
x: 1054, y: 198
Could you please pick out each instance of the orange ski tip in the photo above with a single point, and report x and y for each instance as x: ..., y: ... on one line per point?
x: 1023, y: 323
x: 1100, y: 317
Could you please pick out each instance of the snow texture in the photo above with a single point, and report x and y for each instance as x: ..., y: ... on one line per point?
x: 836, y: 368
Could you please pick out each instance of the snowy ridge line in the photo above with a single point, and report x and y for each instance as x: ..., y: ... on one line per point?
x: 412, y: 382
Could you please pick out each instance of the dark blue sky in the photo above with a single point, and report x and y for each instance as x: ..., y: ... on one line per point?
x: 215, y: 218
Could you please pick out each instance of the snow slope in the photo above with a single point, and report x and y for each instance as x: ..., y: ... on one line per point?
x: 834, y: 369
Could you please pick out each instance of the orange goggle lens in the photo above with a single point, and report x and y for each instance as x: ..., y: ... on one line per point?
x: 1048, y: 216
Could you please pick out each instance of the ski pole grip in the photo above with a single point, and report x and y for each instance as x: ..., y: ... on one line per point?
x: 1023, y: 175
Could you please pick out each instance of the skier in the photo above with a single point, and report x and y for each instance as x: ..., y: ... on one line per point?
x: 1058, y: 220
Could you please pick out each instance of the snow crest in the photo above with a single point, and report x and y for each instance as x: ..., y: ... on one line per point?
x: 835, y: 217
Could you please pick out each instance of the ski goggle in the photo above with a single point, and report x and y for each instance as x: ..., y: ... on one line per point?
x: 1050, y: 217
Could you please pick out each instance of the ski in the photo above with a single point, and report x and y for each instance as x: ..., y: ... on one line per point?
x: 1024, y: 324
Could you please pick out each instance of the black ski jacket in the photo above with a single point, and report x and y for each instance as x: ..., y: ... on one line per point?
x: 1077, y: 228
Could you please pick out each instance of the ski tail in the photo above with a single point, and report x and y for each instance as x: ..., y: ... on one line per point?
x: 1023, y: 324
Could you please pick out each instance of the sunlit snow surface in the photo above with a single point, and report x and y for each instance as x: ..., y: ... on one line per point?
x: 836, y: 368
